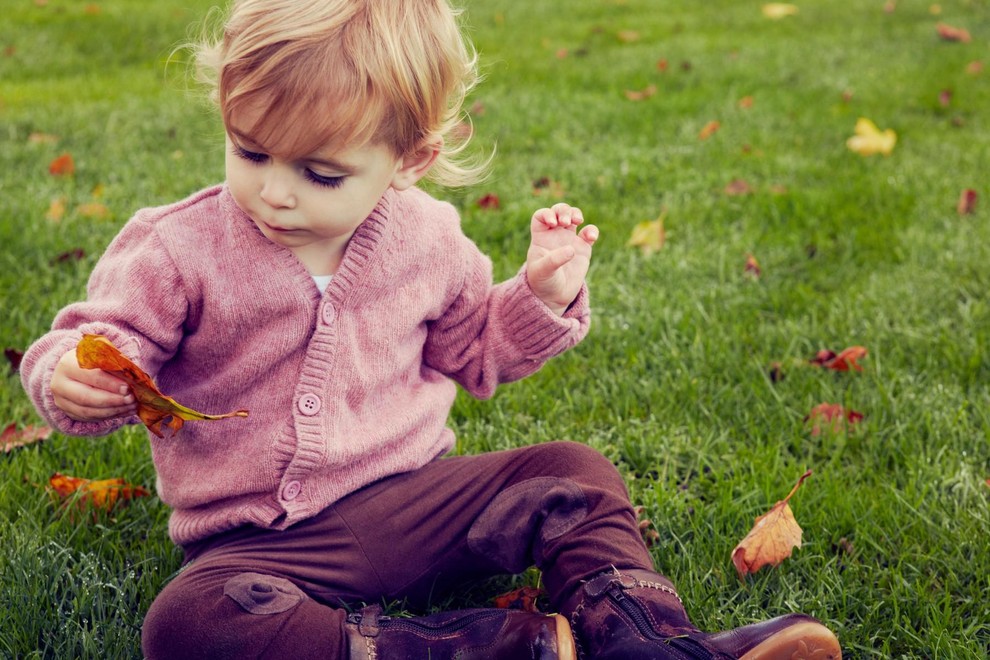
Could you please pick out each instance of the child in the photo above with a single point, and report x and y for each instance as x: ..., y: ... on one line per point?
x: 322, y: 291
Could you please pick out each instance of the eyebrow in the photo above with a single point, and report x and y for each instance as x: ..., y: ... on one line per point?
x: 325, y: 161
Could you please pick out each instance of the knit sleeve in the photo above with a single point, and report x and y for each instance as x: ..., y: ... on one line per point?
x: 135, y: 298
x: 496, y: 334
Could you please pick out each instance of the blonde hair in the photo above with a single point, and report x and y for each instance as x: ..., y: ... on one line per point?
x: 346, y: 72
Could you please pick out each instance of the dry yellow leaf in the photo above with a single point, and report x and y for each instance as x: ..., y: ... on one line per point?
x: 778, y: 10
x: 649, y: 236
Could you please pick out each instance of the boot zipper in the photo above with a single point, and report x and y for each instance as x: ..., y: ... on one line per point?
x: 394, y: 623
x: 635, y: 612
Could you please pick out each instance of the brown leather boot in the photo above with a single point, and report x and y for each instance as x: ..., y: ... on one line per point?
x: 636, y: 614
x: 481, y: 634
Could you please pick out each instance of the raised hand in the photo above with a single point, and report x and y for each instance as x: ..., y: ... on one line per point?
x: 559, y: 255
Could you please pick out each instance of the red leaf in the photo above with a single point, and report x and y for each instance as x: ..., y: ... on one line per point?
x: 11, y: 438
x: 489, y: 201
x: 834, y: 414
x: 843, y: 361
x: 62, y: 165
x: 949, y: 33
x: 967, y: 202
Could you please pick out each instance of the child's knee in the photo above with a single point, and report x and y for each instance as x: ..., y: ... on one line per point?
x: 193, y: 620
x: 567, y: 458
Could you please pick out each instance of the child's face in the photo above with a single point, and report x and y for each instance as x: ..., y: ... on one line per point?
x: 313, y: 204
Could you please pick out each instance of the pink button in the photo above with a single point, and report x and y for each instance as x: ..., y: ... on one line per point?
x: 291, y: 490
x: 309, y: 404
x: 329, y: 313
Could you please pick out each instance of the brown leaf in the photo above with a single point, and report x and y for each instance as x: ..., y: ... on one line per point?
x: 11, y: 438
x: 772, y: 538
x: 62, y: 165
x: 746, y: 102
x: 967, y: 202
x: 650, y: 536
x: 947, y: 32
x: 975, y: 67
x: 75, y: 254
x: 102, y: 494
x: 523, y: 598
x: 837, y: 417
x: 738, y: 187
x: 154, y: 408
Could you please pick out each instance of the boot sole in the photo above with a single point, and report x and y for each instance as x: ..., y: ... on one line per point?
x: 802, y: 641
x: 565, y: 639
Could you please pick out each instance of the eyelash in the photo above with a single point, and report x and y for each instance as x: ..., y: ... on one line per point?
x: 311, y: 176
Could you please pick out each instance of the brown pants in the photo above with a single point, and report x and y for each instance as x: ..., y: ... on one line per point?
x: 416, y: 536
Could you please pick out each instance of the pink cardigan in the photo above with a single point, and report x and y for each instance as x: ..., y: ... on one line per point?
x: 343, y: 388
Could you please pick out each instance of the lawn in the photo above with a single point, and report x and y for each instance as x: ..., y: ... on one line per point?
x: 696, y: 379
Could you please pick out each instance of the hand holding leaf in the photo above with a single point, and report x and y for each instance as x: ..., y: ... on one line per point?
x: 153, y: 407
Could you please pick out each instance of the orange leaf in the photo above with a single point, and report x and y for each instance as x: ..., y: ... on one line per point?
x: 103, y: 494
x: 709, y: 129
x: 752, y: 266
x: 833, y: 413
x: 772, y: 538
x: 11, y: 438
x: 62, y: 165
x: 967, y: 202
x: 154, y: 408
x: 640, y: 95
x: 523, y: 598
x: 738, y: 187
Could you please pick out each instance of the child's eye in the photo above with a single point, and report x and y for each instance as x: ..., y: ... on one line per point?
x: 324, y: 181
x: 250, y: 156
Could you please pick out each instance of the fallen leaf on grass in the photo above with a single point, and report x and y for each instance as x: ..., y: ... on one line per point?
x: 947, y: 32
x: 967, y: 202
x: 102, y: 494
x: 844, y: 361
x: 489, y: 201
x: 649, y: 236
x: 975, y: 67
x: 62, y: 165
x: 13, y: 356
x: 869, y: 140
x: 154, y: 408
x: 42, y: 138
x: 523, y: 598
x: 56, y: 209
x: 547, y: 187
x: 752, y: 267
x: 778, y: 10
x: 93, y: 211
x: 772, y: 538
x: 11, y: 438
x: 837, y: 417
x: 738, y: 187
x: 650, y: 535
x: 640, y: 95
x: 709, y: 129
x: 75, y: 254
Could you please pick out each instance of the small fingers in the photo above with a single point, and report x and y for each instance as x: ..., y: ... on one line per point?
x: 589, y: 234
x: 559, y: 215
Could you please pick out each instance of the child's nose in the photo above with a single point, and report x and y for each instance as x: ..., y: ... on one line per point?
x: 276, y: 189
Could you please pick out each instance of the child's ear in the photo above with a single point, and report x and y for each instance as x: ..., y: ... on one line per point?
x: 417, y: 163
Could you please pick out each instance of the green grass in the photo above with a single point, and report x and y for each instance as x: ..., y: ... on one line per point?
x: 672, y: 384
